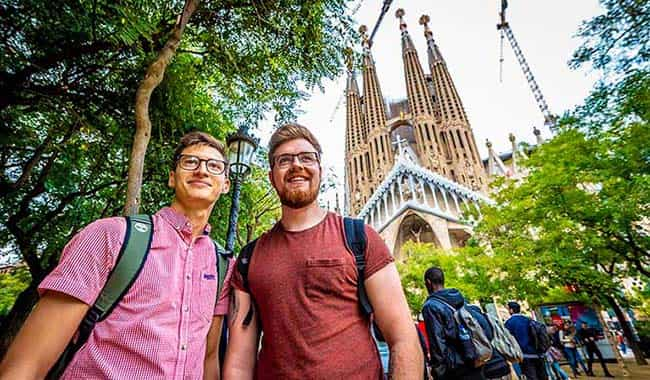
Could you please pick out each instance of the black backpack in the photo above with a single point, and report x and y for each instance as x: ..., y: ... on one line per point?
x: 129, y: 263
x: 355, y: 240
x: 541, y: 340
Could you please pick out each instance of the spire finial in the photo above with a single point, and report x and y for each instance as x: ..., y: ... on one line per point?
x: 399, y: 13
x: 488, y: 143
x: 424, y: 20
x: 511, y: 137
x: 536, y: 131
x: 363, y: 30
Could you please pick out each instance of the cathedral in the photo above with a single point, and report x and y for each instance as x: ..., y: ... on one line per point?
x: 412, y: 167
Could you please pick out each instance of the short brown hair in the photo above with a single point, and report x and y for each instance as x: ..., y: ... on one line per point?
x: 198, y: 138
x: 290, y: 132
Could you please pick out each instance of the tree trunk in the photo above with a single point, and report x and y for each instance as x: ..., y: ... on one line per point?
x: 19, y: 312
x: 627, y: 331
x: 153, y: 77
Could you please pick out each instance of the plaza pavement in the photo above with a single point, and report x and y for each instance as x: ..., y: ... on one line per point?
x: 636, y: 372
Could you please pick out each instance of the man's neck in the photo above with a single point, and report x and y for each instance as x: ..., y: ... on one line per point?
x: 302, y: 218
x: 198, y: 217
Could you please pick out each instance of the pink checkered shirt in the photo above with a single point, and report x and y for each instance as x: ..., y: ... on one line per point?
x: 159, y: 329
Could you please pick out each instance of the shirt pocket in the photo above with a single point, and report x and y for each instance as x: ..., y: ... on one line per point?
x: 324, y: 276
x: 207, y: 294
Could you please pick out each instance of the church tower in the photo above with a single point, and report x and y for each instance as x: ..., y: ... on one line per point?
x: 412, y: 169
x: 420, y: 103
x: 455, y: 133
x: 357, y: 155
x: 381, y: 153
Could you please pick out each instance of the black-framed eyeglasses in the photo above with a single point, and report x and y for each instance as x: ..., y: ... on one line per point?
x: 212, y: 165
x: 283, y: 161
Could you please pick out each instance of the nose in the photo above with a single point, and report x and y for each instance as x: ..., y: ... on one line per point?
x: 202, y: 168
x: 296, y: 161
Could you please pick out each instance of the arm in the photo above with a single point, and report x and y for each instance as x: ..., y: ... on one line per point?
x: 211, y: 367
x: 393, y: 319
x: 242, y: 345
x: 38, y: 345
x: 438, y: 349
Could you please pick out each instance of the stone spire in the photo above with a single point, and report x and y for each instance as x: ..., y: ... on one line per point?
x: 513, y: 160
x: 419, y: 98
x: 357, y: 156
x: 355, y: 132
x: 381, y: 154
x: 495, y: 166
x: 420, y: 101
x: 433, y: 52
x: 451, y: 107
x: 454, y: 133
x: 407, y: 43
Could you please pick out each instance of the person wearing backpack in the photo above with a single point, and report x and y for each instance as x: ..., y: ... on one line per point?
x: 141, y: 308
x: 309, y: 291
x: 533, y: 366
x: 453, y: 354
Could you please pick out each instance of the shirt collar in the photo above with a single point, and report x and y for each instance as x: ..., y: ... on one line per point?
x: 179, y: 221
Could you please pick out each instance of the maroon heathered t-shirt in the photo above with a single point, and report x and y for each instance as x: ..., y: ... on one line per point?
x: 305, y: 285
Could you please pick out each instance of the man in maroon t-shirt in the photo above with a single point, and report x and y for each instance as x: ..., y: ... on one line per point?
x: 303, y: 281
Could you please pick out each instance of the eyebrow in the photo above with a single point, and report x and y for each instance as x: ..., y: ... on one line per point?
x: 203, y: 157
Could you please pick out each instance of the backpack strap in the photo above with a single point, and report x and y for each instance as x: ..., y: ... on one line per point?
x: 355, y: 239
x: 243, y: 264
x: 134, y: 252
x: 129, y: 263
x: 444, y: 302
x: 223, y: 264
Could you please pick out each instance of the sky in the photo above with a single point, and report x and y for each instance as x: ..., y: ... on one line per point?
x: 465, y: 31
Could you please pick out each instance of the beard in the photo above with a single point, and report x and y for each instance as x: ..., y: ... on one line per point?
x: 295, y: 198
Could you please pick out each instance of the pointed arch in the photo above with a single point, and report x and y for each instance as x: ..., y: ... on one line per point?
x: 414, y: 228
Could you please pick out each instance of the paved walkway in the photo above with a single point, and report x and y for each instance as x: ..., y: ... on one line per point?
x: 636, y: 372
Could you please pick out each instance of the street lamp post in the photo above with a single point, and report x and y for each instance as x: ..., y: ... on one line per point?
x: 241, y: 148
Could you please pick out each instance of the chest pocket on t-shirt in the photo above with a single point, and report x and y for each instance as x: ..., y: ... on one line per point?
x: 325, y: 276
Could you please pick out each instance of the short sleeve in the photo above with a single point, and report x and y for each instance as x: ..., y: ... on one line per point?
x: 237, y: 279
x: 377, y: 253
x: 87, y: 260
x: 221, y: 308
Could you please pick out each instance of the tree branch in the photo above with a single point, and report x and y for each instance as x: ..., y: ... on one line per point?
x: 9, y: 187
x: 153, y: 77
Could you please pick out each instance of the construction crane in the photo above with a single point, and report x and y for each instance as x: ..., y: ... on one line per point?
x: 504, y: 28
x: 384, y: 9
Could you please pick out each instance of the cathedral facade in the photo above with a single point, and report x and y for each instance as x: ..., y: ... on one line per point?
x: 412, y: 166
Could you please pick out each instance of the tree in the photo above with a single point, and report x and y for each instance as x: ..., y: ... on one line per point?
x: 11, y: 284
x: 581, y: 217
x: 270, y: 46
x: 464, y: 269
x: 68, y: 77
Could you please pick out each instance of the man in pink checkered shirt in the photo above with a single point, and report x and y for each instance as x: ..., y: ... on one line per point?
x: 168, y: 324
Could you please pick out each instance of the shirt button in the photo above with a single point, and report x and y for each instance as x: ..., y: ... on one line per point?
x: 183, y: 347
x: 186, y: 308
x: 187, y: 276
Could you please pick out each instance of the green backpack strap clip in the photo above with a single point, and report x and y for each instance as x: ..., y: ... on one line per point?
x: 129, y: 263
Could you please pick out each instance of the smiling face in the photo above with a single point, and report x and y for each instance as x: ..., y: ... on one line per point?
x: 198, y: 189
x: 297, y: 185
